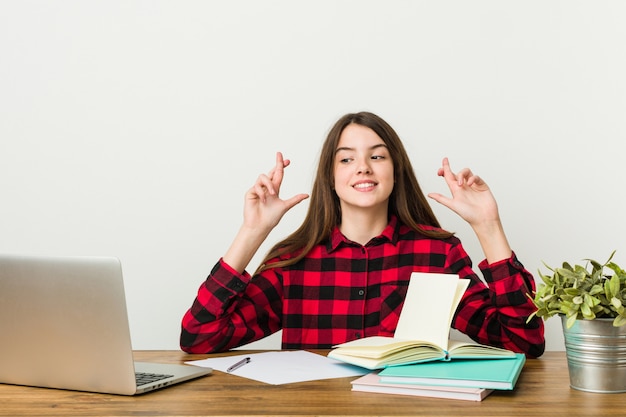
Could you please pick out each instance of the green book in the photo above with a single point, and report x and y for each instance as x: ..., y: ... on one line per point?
x: 478, y: 373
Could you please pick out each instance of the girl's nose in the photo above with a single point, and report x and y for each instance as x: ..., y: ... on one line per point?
x: 364, y: 167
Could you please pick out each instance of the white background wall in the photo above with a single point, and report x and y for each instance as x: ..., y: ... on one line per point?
x: 133, y: 128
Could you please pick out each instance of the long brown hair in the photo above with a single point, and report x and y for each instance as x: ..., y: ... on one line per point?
x: 407, y: 201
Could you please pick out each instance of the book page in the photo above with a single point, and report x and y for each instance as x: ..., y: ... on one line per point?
x: 378, y: 346
x: 471, y: 350
x: 429, y: 307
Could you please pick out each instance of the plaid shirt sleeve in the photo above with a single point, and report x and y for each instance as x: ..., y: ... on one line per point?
x: 495, y: 314
x: 227, y: 312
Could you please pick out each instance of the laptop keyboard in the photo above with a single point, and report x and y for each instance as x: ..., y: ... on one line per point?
x: 144, y: 378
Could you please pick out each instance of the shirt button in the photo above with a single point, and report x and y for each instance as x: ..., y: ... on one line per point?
x: 361, y: 292
x: 358, y: 335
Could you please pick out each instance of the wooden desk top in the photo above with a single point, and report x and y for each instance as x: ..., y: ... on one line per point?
x: 542, y: 389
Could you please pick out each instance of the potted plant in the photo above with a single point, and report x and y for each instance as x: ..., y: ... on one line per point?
x: 591, y: 302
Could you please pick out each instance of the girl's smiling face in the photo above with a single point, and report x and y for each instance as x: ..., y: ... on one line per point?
x: 363, y: 169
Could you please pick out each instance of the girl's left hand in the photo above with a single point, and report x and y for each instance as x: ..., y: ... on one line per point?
x: 471, y: 197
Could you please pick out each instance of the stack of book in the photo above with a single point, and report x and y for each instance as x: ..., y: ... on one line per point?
x: 421, y: 360
x: 471, y: 380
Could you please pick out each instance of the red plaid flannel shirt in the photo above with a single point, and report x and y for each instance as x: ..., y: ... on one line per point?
x: 342, y: 291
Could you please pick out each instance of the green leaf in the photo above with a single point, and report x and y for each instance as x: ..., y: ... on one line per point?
x: 619, y: 321
x: 579, y: 274
x: 546, y: 298
x: 614, y: 285
x: 616, y: 302
x: 596, y: 289
x: 590, y: 301
x: 615, y: 268
x: 571, y: 291
x: 607, y: 290
x: 587, y: 313
x: 596, y: 265
x: 546, y: 279
x: 570, y: 321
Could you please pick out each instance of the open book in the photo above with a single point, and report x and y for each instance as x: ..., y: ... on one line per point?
x: 423, y: 329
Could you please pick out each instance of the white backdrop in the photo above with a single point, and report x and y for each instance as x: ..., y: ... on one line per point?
x: 133, y: 128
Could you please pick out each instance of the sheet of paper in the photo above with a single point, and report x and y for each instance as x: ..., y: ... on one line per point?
x: 429, y: 306
x: 283, y: 367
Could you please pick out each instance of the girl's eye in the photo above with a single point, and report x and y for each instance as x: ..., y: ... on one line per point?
x: 378, y: 157
x: 345, y: 160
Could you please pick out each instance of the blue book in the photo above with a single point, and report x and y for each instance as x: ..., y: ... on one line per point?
x: 501, y: 374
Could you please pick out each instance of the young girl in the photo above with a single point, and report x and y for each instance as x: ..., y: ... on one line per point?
x: 344, y: 273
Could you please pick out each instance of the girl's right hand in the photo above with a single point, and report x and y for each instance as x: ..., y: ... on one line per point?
x: 263, y: 207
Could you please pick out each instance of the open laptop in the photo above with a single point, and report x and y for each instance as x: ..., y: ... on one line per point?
x: 64, y: 324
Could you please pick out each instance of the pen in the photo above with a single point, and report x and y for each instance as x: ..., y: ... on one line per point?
x: 238, y: 364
